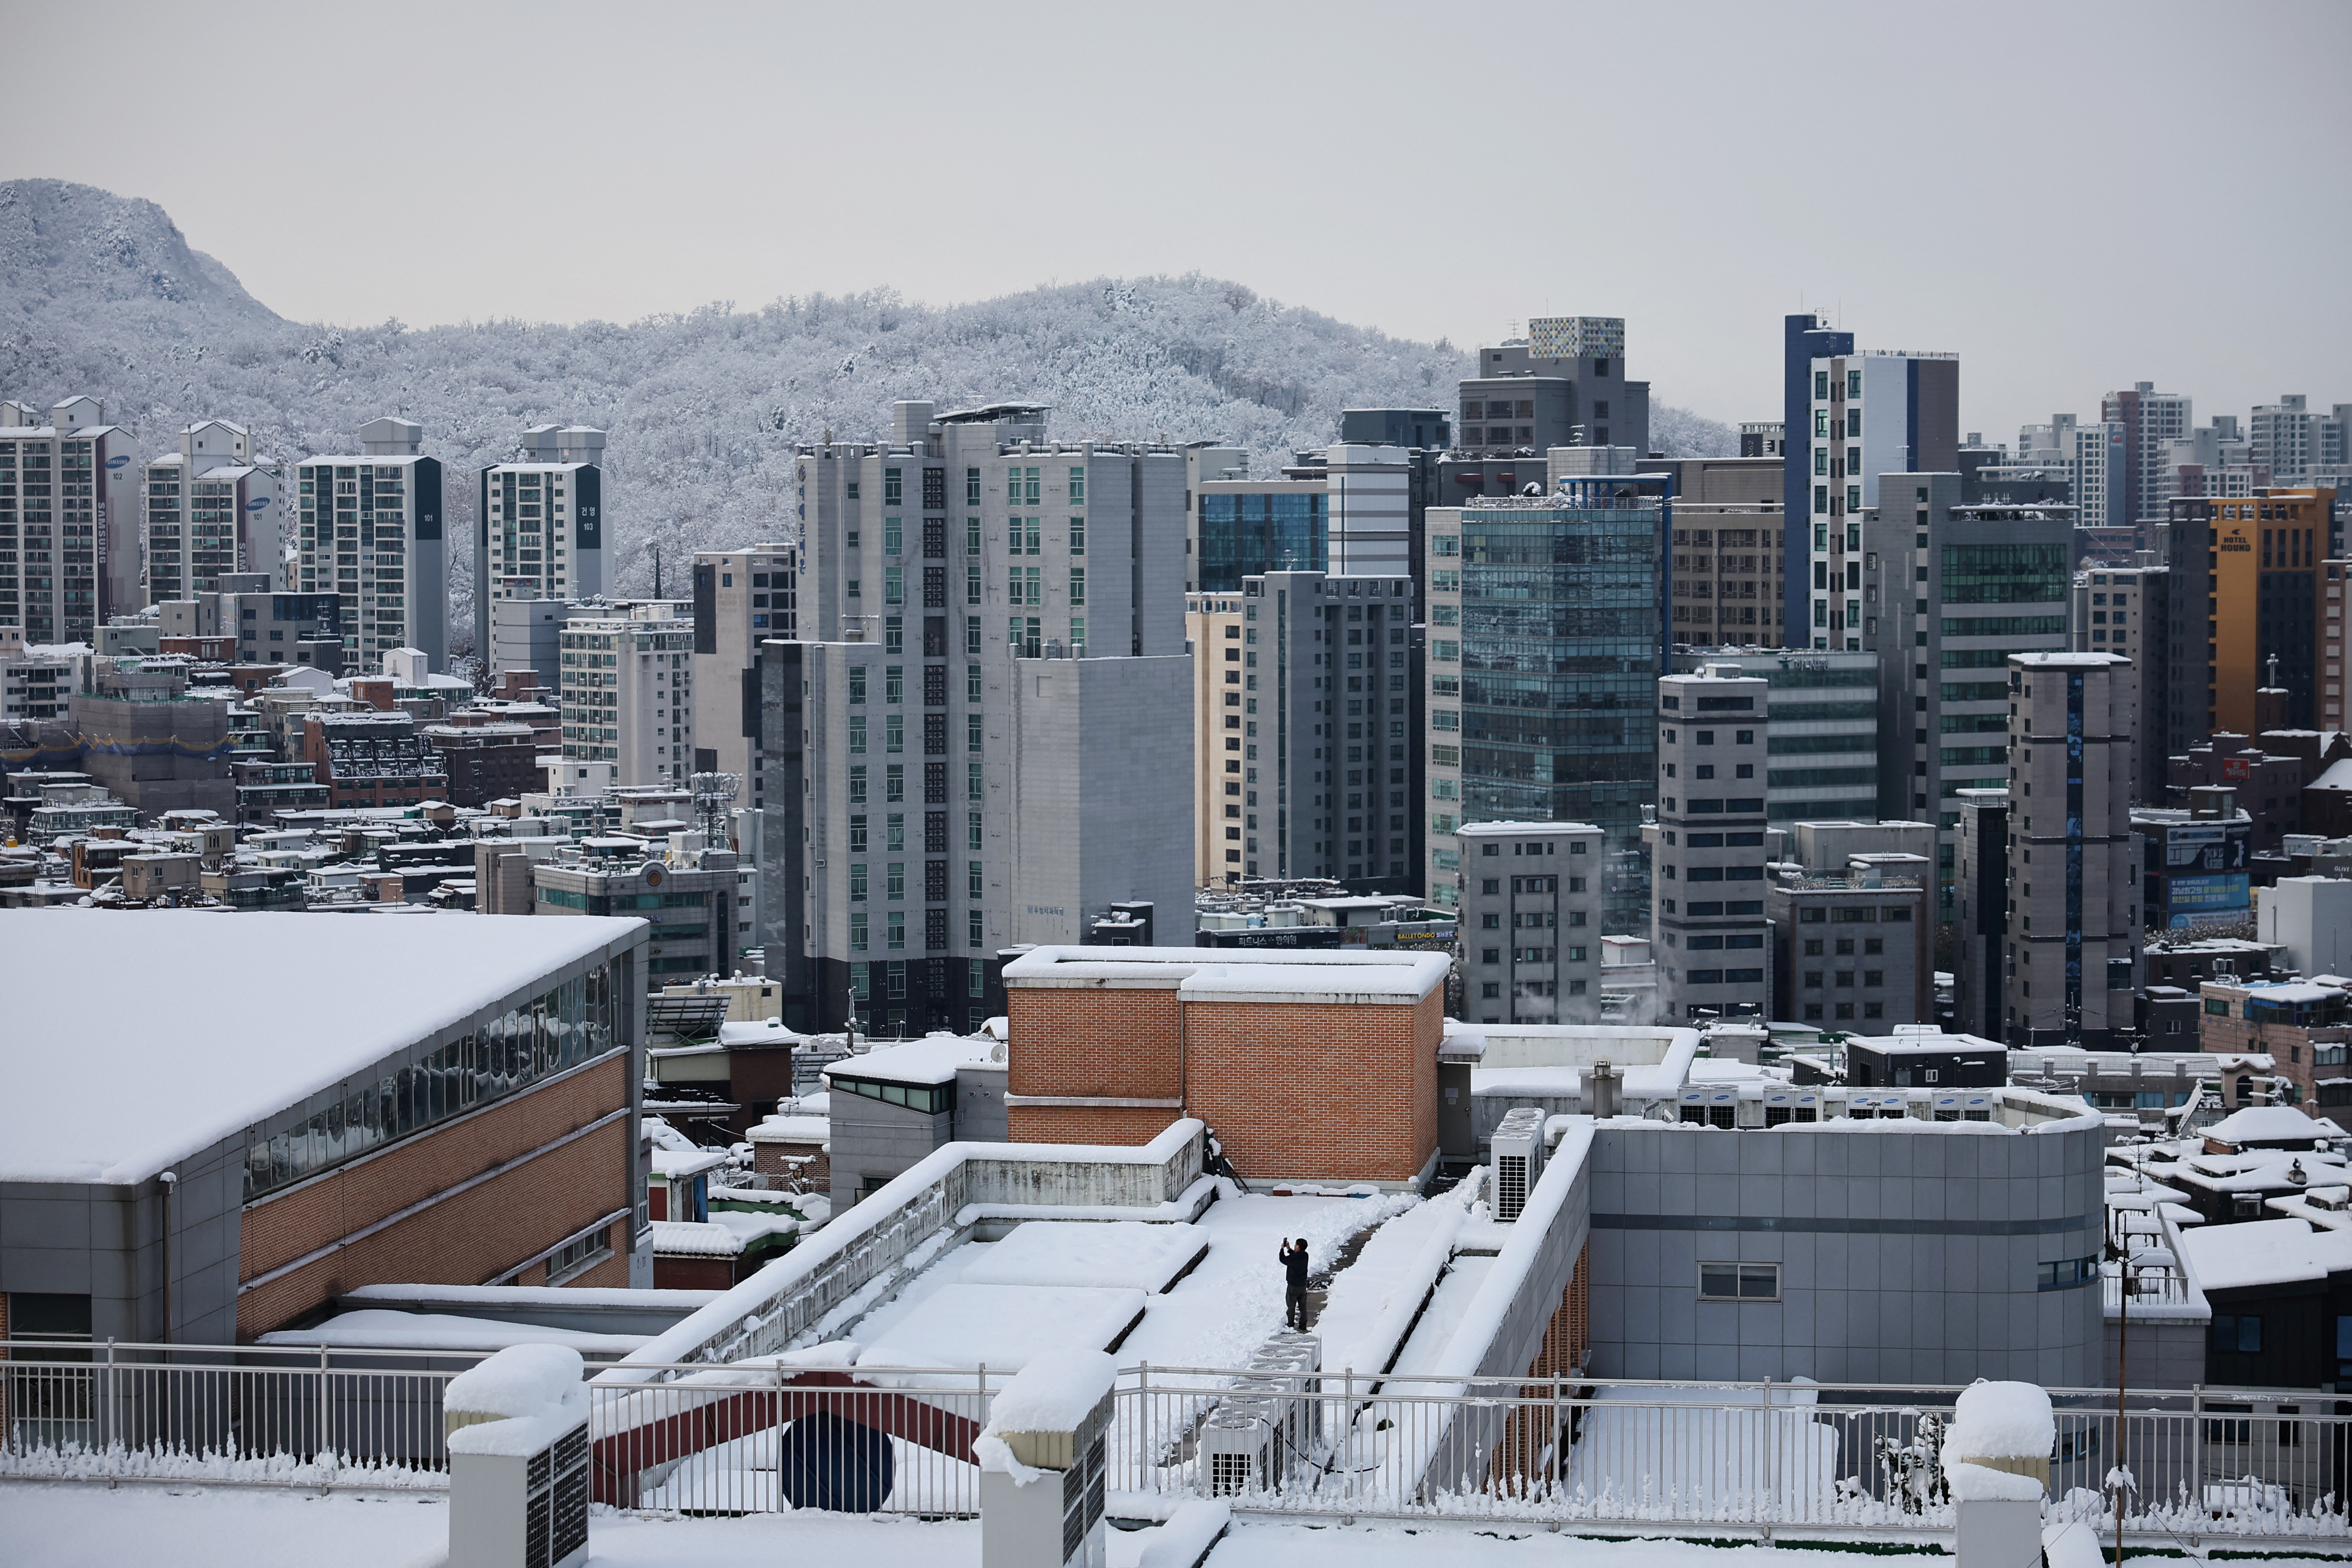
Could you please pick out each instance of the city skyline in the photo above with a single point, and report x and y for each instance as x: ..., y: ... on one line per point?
x: 1942, y: 144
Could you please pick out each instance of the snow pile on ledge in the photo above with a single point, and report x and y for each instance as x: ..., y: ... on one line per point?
x: 1997, y: 1424
x: 2000, y: 1421
x: 518, y: 1402
x: 520, y: 1380
x: 1053, y: 1393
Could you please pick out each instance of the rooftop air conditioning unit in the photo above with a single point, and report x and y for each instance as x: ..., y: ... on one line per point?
x: 1518, y: 1146
x: 1292, y: 1362
x: 1237, y: 1444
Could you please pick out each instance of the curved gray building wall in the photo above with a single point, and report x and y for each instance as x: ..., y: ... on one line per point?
x: 1907, y: 1256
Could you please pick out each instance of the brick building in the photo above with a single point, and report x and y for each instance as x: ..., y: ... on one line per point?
x: 372, y: 758
x: 485, y: 762
x: 1308, y: 1066
x: 447, y: 1102
x: 2305, y: 1028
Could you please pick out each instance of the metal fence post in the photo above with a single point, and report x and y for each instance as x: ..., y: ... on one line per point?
x: 1149, y: 1478
x: 1772, y: 1464
x: 2196, y: 1455
x: 108, y: 1392
x: 1348, y: 1420
x: 323, y: 1446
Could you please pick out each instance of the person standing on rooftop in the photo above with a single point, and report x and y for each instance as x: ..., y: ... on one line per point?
x: 1293, y: 1264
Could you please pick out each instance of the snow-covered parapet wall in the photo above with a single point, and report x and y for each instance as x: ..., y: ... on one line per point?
x: 824, y: 1283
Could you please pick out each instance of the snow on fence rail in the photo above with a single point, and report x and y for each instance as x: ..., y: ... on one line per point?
x: 1582, y: 1453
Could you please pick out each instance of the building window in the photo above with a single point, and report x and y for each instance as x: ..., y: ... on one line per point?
x: 898, y: 930
x: 1739, y: 1281
x: 977, y: 935
x: 2235, y: 1334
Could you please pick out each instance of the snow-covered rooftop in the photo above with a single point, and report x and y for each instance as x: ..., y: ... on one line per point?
x: 1244, y: 974
x: 202, y: 1026
x: 934, y: 1059
x: 2269, y: 1123
x: 2264, y: 1253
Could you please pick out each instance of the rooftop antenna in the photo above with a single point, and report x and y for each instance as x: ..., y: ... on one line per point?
x: 713, y: 794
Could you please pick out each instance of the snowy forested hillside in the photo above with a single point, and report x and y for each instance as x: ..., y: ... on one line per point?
x: 100, y: 295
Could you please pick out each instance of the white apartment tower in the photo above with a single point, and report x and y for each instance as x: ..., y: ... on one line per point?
x: 1302, y: 685
x: 1532, y: 894
x: 539, y: 523
x: 1707, y: 926
x: 2290, y: 439
x: 1865, y: 415
x: 369, y: 529
x: 628, y: 691
x: 982, y: 735
x: 212, y: 511
x: 68, y: 521
x: 741, y: 597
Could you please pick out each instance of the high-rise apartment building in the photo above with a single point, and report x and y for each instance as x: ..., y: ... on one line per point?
x: 1546, y: 639
x: 69, y: 537
x: 1531, y: 900
x: 2247, y: 576
x: 212, y: 511
x: 1953, y: 591
x: 742, y: 599
x: 2151, y: 421
x: 2069, y: 925
x: 970, y: 744
x: 2095, y: 459
x: 369, y: 531
x: 1706, y: 848
x: 628, y: 691
x: 2289, y: 438
x: 1851, y: 417
x: 1562, y: 385
x: 1303, y: 691
x: 539, y: 523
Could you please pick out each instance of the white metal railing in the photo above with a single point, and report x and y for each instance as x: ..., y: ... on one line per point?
x: 1756, y: 1458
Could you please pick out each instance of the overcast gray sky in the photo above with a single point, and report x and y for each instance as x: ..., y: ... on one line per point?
x: 2073, y: 196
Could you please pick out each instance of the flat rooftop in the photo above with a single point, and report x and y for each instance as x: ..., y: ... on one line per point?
x: 136, y: 1040
x: 1206, y: 974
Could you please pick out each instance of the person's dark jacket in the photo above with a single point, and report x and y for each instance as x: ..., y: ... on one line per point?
x: 1294, y: 1263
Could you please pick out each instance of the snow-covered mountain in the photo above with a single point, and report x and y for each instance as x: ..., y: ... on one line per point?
x: 100, y: 293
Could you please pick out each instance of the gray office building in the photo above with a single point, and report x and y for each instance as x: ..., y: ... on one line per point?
x: 1562, y: 385
x: 1304, y: 715
x: 1952, y: 591
x: 1821, y: 721
x: 742, y: 598
x: 1707, y: 848
x: 1544, y: 652
x: 1531, y: 901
